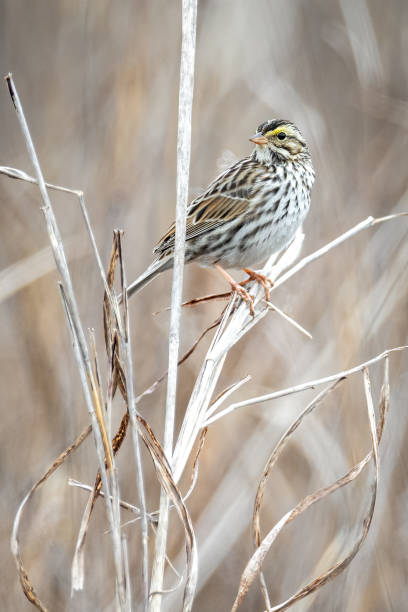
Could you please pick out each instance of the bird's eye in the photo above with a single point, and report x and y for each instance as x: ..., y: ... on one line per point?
x: 281, y: 135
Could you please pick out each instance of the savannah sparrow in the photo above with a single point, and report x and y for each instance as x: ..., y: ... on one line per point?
x: 250, y: 211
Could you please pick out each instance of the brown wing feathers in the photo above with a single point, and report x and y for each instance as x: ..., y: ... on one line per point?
x: 223, y: 201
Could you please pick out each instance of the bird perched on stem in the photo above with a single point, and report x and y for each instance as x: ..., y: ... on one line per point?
x: 249, y: 212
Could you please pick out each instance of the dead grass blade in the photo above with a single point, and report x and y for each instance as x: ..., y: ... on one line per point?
x: 200, y: 300
x: 312, y: 384
x: 254, y: 566
x: 126, y: 347
x: 277, y: 451
x: 116, y: 378
x: 77, y: 568
x: 194, y: 472
x: 186, y: 355
x: 26, y: 584
x: 221, y: 397
x: 274, y: 456
x: 124, y: 504
x: 165, y: 477
x: 15, y: 173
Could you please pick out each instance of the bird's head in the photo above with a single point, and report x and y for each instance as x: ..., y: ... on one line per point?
x: 278, y: 138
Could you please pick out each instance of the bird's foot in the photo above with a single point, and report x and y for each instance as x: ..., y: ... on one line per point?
x: 263, y: 280
x: 244, y: 295
x: 238, y: 289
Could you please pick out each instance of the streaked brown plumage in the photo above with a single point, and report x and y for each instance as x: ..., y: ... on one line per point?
x: 250, y: 211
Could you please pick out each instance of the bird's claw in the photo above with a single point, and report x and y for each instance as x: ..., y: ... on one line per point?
x: 238, y: 288
x: 244, y: 295
x: 259, y: 278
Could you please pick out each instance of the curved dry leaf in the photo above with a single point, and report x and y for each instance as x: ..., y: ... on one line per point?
x: 182, y: 359
x: 77, y: 567
x: 274, y: 456
x: 194, y: 472
x: 164, y: 474
x: 254, y: 566
x: 256, y: 529
x: 27, y: 586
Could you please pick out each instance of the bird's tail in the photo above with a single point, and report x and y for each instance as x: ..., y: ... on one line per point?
x: 159, y: 265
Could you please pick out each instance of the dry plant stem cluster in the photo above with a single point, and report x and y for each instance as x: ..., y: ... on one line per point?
x: 202, y: 410
x: 232, y: 328
x: 90, y: 385
x: 208, y: 376
x: 117, y: 336
x: 114, y: 328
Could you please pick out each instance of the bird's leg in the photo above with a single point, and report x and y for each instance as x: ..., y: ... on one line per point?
x: 237, y: 287
x: 259, y: 278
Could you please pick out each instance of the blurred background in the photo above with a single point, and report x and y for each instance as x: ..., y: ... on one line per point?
x: 99, y: 85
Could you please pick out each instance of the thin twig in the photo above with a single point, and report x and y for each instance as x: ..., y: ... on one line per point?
x: 23, y: 176
x: 125, y: 505
x: 110, y: 295
x: 182, y: 359
x: 303, y: 386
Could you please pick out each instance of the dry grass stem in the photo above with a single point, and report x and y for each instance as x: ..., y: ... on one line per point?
x: 304, y: 386
x: 80, y: 346
x: 186, y: 88
x: 256, y: 528
x: 254, y: 566
x: 231, y: 330
x: 26, y: 584
x: 131, y: 403
x: 152, y: 516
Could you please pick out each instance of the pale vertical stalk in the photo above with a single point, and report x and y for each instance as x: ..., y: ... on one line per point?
x: 189, y: 18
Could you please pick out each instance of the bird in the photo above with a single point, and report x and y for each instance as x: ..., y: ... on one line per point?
x: 250, y: 211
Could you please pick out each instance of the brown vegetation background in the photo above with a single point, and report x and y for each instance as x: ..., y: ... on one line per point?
x: 99, y: 84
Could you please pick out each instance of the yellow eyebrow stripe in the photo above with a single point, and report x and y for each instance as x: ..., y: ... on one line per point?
x: 281, y: 128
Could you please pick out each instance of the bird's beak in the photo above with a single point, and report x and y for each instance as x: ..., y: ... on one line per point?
x: 259, y: 139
